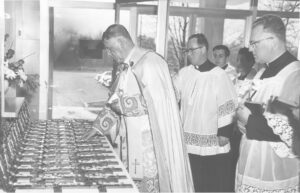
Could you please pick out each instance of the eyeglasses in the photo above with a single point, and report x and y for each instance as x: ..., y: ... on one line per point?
x: 254, y: 43
x: 192, y: 49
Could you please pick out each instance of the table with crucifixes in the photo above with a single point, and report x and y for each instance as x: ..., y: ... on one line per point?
x: 51, y: 156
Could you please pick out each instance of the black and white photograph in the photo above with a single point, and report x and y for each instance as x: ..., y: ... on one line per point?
x: 149, y: 96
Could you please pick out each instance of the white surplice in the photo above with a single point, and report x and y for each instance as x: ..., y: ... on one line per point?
x: 208, y: 102
x: 270, y: 166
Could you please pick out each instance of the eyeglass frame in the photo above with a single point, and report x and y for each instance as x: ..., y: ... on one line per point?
x: 254, y: 43
x: 192, y: 49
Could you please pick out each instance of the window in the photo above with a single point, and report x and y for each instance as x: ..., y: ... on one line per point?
x: 178, y: 35
x: 279, y: 5
x: 233, y: 37
x: 186, y: 3
x: 124, y: 18
x: 238, y: 4
x: 292, y: 35
x: 147, y: 31
x: 78, y: 59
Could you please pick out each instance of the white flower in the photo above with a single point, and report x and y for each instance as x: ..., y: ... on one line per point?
x: 97, y: 77
x: 9, y: 74
x: 22, y: 75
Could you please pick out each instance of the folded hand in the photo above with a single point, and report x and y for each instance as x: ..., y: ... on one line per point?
x: 223, y: 140
x: 243, y: 115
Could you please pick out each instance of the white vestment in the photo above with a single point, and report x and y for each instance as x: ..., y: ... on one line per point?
x: 151, y: 134
x: 265, y: 166
x: 208, y: 102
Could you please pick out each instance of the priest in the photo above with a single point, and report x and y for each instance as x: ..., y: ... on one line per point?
x: 142, y: 117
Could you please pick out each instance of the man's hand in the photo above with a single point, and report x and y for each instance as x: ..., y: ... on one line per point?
x: 114, y: 103
x: 115, y: 106
x: 223, y: 140
x: 243, y: 115
x: 90, y: 133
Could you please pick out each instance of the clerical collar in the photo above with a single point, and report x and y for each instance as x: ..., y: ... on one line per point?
x: 206, y: 66
x: 278, y: 64
x: 224, y: 67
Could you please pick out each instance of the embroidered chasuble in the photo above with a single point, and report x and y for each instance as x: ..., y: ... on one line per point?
x: 266, y: 163
x: 147, y: 127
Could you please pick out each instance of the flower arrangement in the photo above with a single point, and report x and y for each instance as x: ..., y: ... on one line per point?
x: 104, y: 78
x: 14, y: 72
